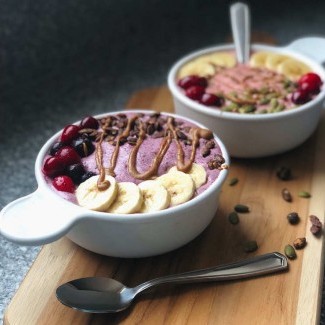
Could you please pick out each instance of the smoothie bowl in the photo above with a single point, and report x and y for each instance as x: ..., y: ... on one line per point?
x: 125, y: 184
x: 267, y: 106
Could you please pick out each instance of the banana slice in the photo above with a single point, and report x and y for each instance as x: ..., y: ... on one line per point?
x: 258, y: 59
x: 179, y: 185
x: 293, y: 69
x: 223, y: 59
x: 90, y: 197
x: 273, y: 60
x: 155, y: 196
x: 128, y: 200
x: 197, y: 67
x: 198, y: 174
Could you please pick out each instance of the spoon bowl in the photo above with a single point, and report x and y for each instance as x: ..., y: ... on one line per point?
x: 106, y: 295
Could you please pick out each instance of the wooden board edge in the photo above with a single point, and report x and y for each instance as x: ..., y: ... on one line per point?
x: 310, y: 288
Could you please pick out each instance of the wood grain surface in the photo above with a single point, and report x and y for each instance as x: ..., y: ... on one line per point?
x: 288, y: 298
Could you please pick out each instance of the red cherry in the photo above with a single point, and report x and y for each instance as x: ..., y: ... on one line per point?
x: 68, y: 156
x: 211, y: 100
x: 189, y: 81
x: 69, y: 133
x: 194, y: 92
x: 63, y: 184
x: 300, y: 97
x: 89, y: 122
x: 52, y: 166
x: 310, y: 82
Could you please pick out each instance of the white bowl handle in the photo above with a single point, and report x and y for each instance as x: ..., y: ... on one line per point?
x: 32, y: 220
x: 313, y: 47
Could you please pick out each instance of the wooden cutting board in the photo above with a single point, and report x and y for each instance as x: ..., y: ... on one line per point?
x: 288, y: 298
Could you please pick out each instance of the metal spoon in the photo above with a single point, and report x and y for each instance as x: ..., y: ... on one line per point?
x: 105, y: 295
x: 240, y: 25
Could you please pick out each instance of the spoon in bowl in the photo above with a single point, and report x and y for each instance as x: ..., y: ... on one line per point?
x: 240, y: 25
x: 105, y: 295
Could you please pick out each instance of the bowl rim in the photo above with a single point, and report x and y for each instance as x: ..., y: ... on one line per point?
x: 174, y: 88
x: 82, y: 212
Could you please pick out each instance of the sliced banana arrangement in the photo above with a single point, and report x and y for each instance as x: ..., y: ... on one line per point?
x: 89, y: 196
x: 205, y: 65
x: 290, y: 67
x: 170, y: 189
x: 198, y: 174
x: 128, y: 200
x: 155, y: 196
x: 179, y: 185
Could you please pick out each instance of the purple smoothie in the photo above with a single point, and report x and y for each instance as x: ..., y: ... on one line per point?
x: 146, y: 153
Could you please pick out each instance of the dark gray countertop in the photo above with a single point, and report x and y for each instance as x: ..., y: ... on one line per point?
x: 62, y: 60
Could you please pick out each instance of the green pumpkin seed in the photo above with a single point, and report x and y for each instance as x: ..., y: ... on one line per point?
x: 233, y: 218
x: 241, y: 208
x: 250, y: 246
x: 247, y: 109
x: 265, y: 101
x: 304, y: 194
x: 233, y: 181
x: 290, y: 252
x: 274, y: 103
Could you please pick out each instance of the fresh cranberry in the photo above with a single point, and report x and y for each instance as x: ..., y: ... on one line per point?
x: 63, y: 184
x: 195, y: 92
x: 68, y: 156
x: 53, y: 166
x: 211, y: 100
x: 189, y: 81
x: 56, y: 147
x: 89, y: 122
x: 310, y: 82
x: 300, y: 97
x: 69, y: 133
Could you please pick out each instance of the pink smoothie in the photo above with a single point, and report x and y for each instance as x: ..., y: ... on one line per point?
x: 147, y: 152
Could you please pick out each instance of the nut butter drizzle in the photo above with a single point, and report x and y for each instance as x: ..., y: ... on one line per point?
x: 102, y: 184
x: 124, y: 134
x: 170, y: 134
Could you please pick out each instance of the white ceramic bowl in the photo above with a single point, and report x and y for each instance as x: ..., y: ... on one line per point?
x: 258, y: 135
x: 44, y: 216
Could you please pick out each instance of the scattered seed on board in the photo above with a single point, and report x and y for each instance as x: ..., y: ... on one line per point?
x: 290, y: 252
x: 233, y: 218
x: 233, y: 181
x: 293, y: 218
x: 316, y: 227
x: 300, y: 243
x: 250, y: 246
x: 304, y: 194
x: 241, y: 208
x: 284, y: 173
x: 286, y: 195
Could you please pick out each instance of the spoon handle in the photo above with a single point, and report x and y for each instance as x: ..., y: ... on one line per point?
x: 259, y: 265
x: 240, y: 25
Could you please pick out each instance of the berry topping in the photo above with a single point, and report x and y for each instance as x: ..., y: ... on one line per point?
x: 300, y: 97
x: 310, y: 82
x: 83, y: 146
x: 75, y: 172
x: 52, y: 166
x: 195, y: 92
x: 69, y: 133
x: 89, y: 122
x: 63, y: 184
x: 211, y: 100
x: 56, y: 147
x: 189, y: 81
x: 68, y: 156
x: 86, y: 175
